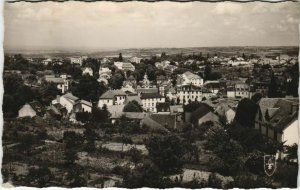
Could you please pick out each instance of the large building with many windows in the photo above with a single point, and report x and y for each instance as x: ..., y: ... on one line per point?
x: 150, y: 100
x: 188, y: 78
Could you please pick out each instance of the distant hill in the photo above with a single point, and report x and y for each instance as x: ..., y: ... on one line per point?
x: 146, y: 52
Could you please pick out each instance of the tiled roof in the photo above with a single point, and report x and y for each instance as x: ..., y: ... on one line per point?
x: 38, y: 107
x: 280, y: 110
x: 110, y: 94
x: 272, y: 111
x: 150, y: 95
x: 147, y: 90
x: 165, y: 120
x: 153, y: 125
x: 134, y: 115
x: 119, y: 93
x: 135, y: 98
x: 70, y: 96
x: 201, y: 111
x: 116, y: 111
x: 107, y: 95
x: 86, y: 103
x: 54, y: 79
x: 191, y: 75
x: 161, y: 77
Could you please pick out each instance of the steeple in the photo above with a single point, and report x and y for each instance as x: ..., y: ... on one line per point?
x: 146, y: 81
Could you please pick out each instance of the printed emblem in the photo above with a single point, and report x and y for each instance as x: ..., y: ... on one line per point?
x: 269, y: 164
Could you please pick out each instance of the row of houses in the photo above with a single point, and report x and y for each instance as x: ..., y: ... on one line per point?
x: 276, y: 118
x: 148, y: 101
x: 65, y: 106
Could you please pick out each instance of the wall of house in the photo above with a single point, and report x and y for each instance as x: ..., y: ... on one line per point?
x: 230, y: 114
x: 88, y: 71
x: 26, y: 111
x: 291, y: 133
x: 108, y: 102
x: 194, y: 81
x: 230, y: 94
x: 243, y: 94
x: 64, y: 102
x: 189, y: 95
x: 86, y: 108
x: 120, y: 100
x: 150, y: 103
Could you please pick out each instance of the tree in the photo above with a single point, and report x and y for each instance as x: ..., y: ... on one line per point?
x: 292, y: 152
x: 166, y: 152
x: 249, y: 181
x: 244, y: 56
x: 120, y: 57
x: 249, y: 138
x: 70, y: 156
x: 48, y: 92
x: 132, y: 106
x: 16, y: 94
x: 254, y: 162
x: 292, y: 87
x: 135, y: 155
x: 146, y: 175
x: 39, y: 176
x: 26, y: 143
x: 100, y: 115
x: 273, y: 88
x: 116, y: 81
x: 246, y: 111
x: 72, y: 140
x: 231, y: 153
x: 256, y: 97
x: 163, y: 55
x: 214, y: 181
x: 83, y: 117
x: 74, y: 176
x: 178, y: 100
x: 207, y: 72
x: 215, y: 136
x: 88, y: 88
x: 286, y: 174
x: 228, y: 150
x: 125, y: 141
x: 74, y: 71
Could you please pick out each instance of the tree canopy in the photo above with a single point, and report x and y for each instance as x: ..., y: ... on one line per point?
x: 132, y: 106
x: 166, y: 152
x: 88, y: 88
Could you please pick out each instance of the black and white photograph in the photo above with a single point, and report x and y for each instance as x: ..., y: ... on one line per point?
x: 194, y: 94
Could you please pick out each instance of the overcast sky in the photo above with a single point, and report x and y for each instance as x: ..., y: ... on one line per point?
x: 139, y: 24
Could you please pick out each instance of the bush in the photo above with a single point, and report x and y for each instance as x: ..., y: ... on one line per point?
x: 214, y: 181
x: 287, y: 174
x: 248, y: 181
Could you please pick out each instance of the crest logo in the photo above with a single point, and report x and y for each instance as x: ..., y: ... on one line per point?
x: 269, y: 164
